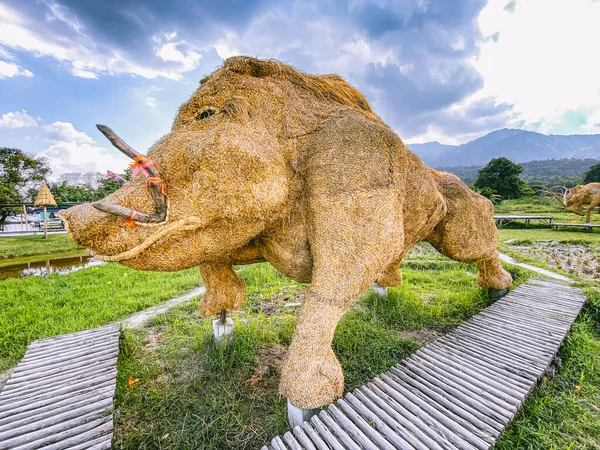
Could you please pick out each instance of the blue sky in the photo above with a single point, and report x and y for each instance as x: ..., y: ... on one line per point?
x: 444, y: 70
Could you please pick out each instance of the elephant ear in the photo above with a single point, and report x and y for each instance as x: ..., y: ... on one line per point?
x: 241, y: 176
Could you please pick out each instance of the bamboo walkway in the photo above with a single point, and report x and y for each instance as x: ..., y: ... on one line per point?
x: 459, y: 392
x: 60, y: 395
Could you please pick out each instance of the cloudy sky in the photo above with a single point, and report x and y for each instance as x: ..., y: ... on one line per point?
x: 445, y: 70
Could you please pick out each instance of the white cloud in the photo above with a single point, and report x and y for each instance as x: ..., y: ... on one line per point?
x: 65, y: 132
x: 81, y: 73
x: 18, y: 119
x: 544, y: 60
x: 75, y: 151
x: 10, y: 70
x: 88, y: 59
x: 593, y: 123
x: 150, y: 101
x: 173, y: 52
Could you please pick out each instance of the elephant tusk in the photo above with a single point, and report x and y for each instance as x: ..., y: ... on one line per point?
x: 128, y: 213
x: 156, y: 186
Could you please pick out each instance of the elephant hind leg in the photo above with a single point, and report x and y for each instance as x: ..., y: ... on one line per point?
x: 492, y: 275
x: 468, y: 234
x: 460, y: 247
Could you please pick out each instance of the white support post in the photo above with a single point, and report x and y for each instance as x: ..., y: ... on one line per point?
x: 297, y: 416
x: 496, y: 294
x: 223, y: 332
x: 380, y: 291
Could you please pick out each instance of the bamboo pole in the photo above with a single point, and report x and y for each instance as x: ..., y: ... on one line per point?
x: 25, y: 215
x: 45, y: 224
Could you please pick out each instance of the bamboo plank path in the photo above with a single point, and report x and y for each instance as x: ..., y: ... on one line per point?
x: 459, y: 392
x: 60, y: 395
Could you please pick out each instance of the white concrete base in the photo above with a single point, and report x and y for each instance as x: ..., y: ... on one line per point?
x: 380, y: 291
x: 297, y: 416
x: 496, y: 294
x: 223, y: 333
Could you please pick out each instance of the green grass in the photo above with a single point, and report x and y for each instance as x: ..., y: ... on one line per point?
x: 194, y: 394
x: 20, y: 246
x: 36, y: 307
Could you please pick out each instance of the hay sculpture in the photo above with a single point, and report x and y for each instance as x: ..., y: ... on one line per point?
x: 575, y: 198
x: 44, y: 198
x: 266, y: 163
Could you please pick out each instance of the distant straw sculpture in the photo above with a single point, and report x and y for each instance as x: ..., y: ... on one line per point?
x: 575, y: 198
x: 44, y: 198
x: 266, y: 163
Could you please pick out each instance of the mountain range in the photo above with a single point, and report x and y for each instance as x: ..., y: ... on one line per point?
x: 516, y: 145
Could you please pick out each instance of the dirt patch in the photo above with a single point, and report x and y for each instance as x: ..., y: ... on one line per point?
x: 289, y: 297
x: 271, y: 362
x: 422, y: 337
x: 153, y: 338
x: 273, y: 357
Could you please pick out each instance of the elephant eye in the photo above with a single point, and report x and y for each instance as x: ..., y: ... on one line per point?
x: 205, y: 113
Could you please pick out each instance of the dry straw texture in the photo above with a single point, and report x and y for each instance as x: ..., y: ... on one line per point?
x: 267, y: 163
x: 44, y: 197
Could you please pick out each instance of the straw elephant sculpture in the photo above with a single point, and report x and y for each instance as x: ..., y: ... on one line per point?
x: 266, y: 163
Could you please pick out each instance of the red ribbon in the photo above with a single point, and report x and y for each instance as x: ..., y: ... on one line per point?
x: 130, y: 220
x: 142, y: 162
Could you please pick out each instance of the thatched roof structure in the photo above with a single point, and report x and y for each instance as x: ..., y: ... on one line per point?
x: 44, y: 197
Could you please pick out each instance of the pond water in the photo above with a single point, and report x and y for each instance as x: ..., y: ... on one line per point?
x: 45, y: 267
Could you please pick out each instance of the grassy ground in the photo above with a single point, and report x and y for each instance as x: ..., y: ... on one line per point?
x: 193, y: 394
x: 35, y: 307
x: 22, y: 246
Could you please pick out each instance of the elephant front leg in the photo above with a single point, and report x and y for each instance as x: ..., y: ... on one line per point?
x: 224, y: 289
x: 312, y: 376
x: 349, y: 251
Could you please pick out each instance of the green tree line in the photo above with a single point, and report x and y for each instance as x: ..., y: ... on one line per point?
x: 21, y: 175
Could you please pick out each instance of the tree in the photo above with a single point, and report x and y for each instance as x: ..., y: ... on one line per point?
x: 18, y: 172
x: 501, y: 177
x: 70, y: 189
x: 63, y: 192
x: 107, y: 186
x: 592, y: 175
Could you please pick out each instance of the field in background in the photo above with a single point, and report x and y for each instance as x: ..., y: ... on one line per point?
x: 542, y: 206
x: 14, y: 250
